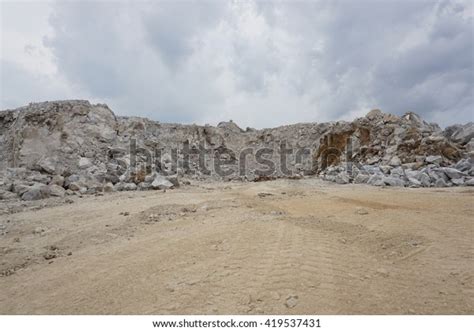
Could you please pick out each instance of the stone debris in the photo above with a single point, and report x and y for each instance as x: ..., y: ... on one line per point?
x: 291, y: 301
x: 361, y: 211
x: 264, y: 194
x: 63, y: 148
x: 161, y: 183
x: 51, y: 253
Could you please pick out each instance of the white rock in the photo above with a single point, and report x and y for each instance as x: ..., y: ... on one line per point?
x: 458, y: 181
x: 84, y: 163
x: 440, y: 183
x: 342, y: 178
x: 424, y: 179
x: 397, y: 172
x: 161, y: 183
x: 57, y: 180
x: 464, y: 165
x: 413, y: 182
x: 376, y: 180
x: 385, y: 169
x: 36, y: 192
x: 452, y: 173
x: 130, y: 187
x: 76, y: 186
x: 57, y: 191
x: 395, y: 161
x: 361, y: 179
x: 373, y: 160
x: 393, y: 181
x: 436, y: 159
x: 469, y: 182
x: 48, y: 165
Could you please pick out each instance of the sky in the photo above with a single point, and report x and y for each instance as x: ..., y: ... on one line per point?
x: 261, y: 64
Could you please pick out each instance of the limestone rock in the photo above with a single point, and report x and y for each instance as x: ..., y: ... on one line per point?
x: 48, y: 165
x: 460, y: 133
x: 161, y: 183
x: 395, y: 161
x: 342, y: 178
x: 130, y: 187
x: 413, y: 182
x: 84, y: 163
x: 109, y: 187
x: 440, y: 183
x: 424, y: 179
x: 436, y: 159
x: 57, y: 180
x: 81, y: 146
x: 57, y: 191
x: 36, y: 192
x: 452, y: 173
x: 361, y: 179
x: 376, y: 180
x: 393, y: 181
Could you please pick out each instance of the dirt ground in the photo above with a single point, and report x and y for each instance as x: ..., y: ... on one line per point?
x: 278, y: 247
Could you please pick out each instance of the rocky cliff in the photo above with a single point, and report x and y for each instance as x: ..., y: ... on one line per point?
x: 74, y: 147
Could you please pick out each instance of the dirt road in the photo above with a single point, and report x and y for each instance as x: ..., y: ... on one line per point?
x: 291, y: 247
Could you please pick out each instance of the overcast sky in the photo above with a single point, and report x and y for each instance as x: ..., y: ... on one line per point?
x: 261, y: 64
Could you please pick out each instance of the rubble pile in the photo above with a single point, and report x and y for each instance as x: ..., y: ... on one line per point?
x: 387, y: 150
x: 54, y: 149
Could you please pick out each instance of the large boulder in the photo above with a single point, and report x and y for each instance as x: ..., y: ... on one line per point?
x: 342, y: 178
x: 393, y: 181
x: 376, y: 180
x: 36, y: 192
x: 424, y: 179
x: 466, y: 166
x: 130, y: 187
x: 361, y: 178
x: 452, y: 173
x: 161, y: 183
x: 440, y: 182
x: 413, y: 182
x: 436, y: 159
x: 48, y: 165
x: 57, y: 191
x: 460, y: 133
x: 57, y: 180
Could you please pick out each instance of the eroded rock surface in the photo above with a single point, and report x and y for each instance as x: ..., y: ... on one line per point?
x: 73, y: 147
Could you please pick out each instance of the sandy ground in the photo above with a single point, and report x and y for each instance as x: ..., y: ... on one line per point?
x: 279, y: 247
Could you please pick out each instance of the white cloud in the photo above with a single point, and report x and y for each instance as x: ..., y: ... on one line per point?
x: 260, y: 63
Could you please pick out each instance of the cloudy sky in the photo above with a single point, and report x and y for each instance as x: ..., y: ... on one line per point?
x: 261, y: 64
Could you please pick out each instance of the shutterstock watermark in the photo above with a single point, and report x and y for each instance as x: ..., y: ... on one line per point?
x: 270, y: 161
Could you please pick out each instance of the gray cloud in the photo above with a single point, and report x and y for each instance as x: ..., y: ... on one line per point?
x: 20, y: 87
x: 266, y: 63
x: 171, y: 27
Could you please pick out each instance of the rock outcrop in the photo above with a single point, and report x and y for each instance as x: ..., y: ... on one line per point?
x: 73, y: 147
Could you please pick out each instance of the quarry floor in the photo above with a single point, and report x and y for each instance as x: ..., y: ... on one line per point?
x: 276, y: 247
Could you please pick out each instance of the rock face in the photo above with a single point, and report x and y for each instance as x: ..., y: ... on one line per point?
x: 74, y: 147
